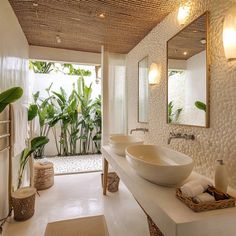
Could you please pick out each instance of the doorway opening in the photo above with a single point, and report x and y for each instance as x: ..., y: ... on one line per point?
x: 65, y: 107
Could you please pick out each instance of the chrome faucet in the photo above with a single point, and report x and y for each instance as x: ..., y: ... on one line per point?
x: 179, y: 135
x: 139, y: 129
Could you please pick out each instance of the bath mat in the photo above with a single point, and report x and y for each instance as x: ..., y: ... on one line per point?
x: 87, y: 226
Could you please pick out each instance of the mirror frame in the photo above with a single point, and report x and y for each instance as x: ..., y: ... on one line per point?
x: 146, y: 57
x: 208, y: 64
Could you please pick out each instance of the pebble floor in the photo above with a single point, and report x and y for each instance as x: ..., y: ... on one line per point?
x: 76, y: 164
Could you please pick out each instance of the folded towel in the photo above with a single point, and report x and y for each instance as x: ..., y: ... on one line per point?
x: 203, y: 197
x: 195, y: 187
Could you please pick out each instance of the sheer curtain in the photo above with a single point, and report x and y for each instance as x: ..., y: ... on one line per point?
x: 117, y: 94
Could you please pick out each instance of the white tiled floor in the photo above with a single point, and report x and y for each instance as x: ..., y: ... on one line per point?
x: 78, y: 195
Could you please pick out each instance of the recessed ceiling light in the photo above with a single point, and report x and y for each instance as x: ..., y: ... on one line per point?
x: 76, y: 19
x: 185, y: 53
x: 203, y: 41
x: 195, y: 31
x: 35, y: 4
x: 102, y: 15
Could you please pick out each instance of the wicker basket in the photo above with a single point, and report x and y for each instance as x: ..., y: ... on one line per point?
x: 153, y: 229
x: 223, y: 201
x: 43, y: 175
x: 23, y: 201
x: 112, y: 182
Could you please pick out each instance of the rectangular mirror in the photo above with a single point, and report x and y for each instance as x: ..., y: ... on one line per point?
x: 188, y: 65
x: 143, y: 90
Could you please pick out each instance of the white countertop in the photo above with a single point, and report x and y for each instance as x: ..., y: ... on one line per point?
x: 170, y: 214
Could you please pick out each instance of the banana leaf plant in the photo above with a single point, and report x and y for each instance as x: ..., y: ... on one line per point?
x: 46, y: 112
x: 10, y: 96
x: 173, y: 116
x: 35, y: 144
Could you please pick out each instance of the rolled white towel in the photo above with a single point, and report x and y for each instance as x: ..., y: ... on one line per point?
x: 195, y: 187
x: 192, y: 191
x: 203, y: 197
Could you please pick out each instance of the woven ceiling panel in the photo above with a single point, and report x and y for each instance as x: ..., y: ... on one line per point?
x: 79, y: 26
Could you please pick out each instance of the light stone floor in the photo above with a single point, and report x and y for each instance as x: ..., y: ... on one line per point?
x: 79, y: 195
x: 76, y: 164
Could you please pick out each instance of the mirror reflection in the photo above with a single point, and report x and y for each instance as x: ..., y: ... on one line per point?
x: 187, y: 75
x: 143, y: 90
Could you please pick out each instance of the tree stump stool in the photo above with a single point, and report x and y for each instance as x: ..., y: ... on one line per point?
x: 23, y: 202
x: 43, y: 175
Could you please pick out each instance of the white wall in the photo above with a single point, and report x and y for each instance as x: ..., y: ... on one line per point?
x: 63, y: 55
x: 216, y: 142
x: 13, y: 71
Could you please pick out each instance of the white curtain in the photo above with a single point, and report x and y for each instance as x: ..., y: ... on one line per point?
x: 117, y: 94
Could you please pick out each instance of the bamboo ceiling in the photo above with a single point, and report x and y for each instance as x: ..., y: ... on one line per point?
x: 79, y: 26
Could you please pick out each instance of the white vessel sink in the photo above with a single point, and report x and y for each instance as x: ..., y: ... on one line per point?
x: 119, y: 143
x: 159, y: 165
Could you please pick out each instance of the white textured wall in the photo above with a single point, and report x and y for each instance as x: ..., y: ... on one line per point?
x: 13, y: 72
x: 219, y: 141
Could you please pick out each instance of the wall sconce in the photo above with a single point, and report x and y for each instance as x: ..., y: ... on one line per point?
x: 229, y: 33
x: 183, y: 13
x: 153, y: 74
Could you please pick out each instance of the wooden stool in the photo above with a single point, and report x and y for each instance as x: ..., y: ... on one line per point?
x: 23, y: 201
x: 43, y: 175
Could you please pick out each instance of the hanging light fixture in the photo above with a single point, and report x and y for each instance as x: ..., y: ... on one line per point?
x: 229, y: 33
x: 183, y: 13
x: 153, y: 74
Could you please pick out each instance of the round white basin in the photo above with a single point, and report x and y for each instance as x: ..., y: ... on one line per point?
x: 119, y: 143
x: 158, y: 164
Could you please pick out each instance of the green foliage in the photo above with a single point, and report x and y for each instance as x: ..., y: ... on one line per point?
x: 10, y: 96
x: 46, y: 112
x: 35, y: 144
x: 200, y: 105
x: 173, y: 116
x: 78, y: 115
x: 73, y: 71
x: 41, y: 67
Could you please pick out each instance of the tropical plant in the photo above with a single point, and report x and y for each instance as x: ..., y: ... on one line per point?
x: 173, y: 116
x: 41, y: 67
x: 35, y: 144
x: 47, y: 114
x: 200, y: 105
x: 10, y: 96
x: 74, y: 71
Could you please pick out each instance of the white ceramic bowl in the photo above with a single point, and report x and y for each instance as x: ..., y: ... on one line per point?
x: 158, y: 164
x: 119, y: 143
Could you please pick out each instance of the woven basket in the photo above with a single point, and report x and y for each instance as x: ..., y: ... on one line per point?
x: 43, y: 175
x: 112, y: 182
x: 226, y: 202
x: 23, y: 202
x: 153, y: 229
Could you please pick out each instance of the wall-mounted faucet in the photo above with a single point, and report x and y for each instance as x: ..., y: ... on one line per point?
x: 179, y: 135
x: 139, y: 129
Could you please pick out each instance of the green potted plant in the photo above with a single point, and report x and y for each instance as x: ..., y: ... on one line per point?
x: 23, y: 199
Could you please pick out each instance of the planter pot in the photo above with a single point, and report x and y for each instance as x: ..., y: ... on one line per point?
x: 23, y: 202
x: 112, y: 182
x: 43, y: 175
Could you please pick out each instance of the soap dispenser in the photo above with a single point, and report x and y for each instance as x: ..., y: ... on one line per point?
x: 221, y: 177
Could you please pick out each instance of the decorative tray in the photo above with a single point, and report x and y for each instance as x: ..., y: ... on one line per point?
x: 222, y: 200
